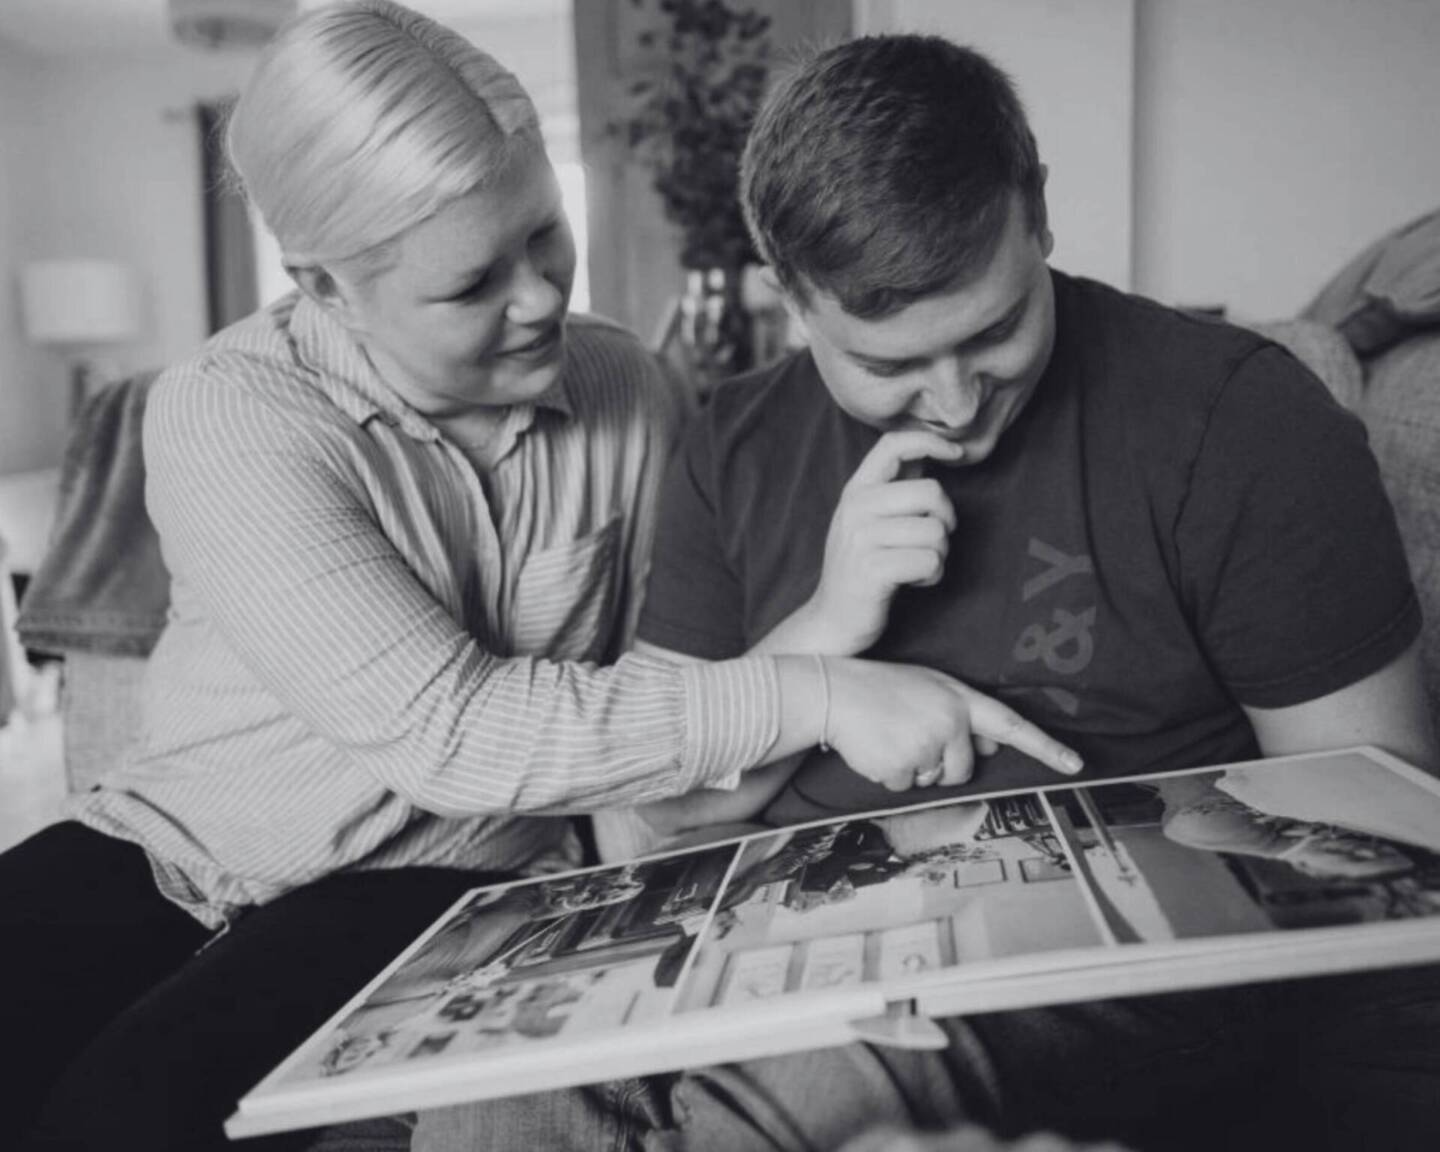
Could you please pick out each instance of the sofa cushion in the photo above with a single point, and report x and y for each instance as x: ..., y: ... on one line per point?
x: 1397, y: 395
x: 1401, y: 409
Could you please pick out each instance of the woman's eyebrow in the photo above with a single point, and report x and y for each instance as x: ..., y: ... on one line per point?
x: 462, y: 283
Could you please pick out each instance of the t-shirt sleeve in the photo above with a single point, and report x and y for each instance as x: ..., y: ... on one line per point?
x: 693, y: 601
x: 1292, y: 564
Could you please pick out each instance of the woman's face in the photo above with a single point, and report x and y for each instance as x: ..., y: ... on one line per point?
x: 470, y: 311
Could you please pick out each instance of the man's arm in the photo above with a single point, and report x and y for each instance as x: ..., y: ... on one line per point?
x: 1387, y: 709
x: 886, y: 532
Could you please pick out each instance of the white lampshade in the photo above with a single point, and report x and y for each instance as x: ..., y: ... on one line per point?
x: 80, y: 302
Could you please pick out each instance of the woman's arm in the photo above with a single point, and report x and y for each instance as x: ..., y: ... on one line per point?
x: 274, y: 521
x: 858, y: 714
x: 270, y: 528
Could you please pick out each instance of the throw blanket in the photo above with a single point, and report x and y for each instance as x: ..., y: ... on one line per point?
x: 7, y: 674
x: 102, y: 586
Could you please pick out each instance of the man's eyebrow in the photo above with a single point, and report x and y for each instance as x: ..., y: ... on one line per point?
x: 1007, y: 317
x: 881, y: 361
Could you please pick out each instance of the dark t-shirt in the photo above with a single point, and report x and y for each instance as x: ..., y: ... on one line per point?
x: 1180, y: 521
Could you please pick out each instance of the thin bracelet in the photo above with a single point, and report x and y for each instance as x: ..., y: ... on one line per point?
x: 825, y: 695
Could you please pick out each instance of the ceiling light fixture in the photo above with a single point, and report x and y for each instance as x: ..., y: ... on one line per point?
x: 220, y: 24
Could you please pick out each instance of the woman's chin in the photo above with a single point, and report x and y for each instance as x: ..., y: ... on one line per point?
x: 514, y: 384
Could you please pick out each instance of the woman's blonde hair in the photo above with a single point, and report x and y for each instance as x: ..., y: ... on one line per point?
x: 363, y: 119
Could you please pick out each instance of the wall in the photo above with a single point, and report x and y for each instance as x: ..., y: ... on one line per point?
x: 121, y: 176
x: 32, y: 404
x: 1231, y: 152
x: 110, y: 169
x: 1275, y: 139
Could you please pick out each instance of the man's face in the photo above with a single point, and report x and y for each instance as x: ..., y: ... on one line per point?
x: 962, y: 363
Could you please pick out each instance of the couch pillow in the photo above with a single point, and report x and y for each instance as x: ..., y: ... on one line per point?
x: 1388, y: 291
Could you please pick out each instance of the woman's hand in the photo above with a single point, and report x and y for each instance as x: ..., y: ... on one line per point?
x: 902, y: 725
x: 889, y: 530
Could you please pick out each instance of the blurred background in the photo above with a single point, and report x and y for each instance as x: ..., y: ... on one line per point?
x: 1227, y: 156
x: 1212, y: 153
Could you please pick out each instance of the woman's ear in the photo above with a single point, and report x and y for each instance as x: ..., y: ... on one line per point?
x: 333, y: 297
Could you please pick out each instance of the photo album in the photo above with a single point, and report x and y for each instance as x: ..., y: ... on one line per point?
x: 872, y: 926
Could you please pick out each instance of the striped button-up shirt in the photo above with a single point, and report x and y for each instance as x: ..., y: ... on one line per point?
x: 384, y: 653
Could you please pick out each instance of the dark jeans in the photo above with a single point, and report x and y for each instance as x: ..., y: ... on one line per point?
x: 121, y: 1035
x: 1335, y: 1063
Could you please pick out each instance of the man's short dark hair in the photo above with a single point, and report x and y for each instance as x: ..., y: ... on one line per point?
x: 882, y: 171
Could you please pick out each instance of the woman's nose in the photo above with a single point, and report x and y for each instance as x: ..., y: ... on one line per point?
x: 535, y: 298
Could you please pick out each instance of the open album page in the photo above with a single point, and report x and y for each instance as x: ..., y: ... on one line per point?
x: 1043, y: 881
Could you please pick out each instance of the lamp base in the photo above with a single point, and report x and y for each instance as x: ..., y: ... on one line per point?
x: 80, y: 373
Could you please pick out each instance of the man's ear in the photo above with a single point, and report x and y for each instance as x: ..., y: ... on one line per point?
x: 799, y: 333
x: 331, y: 295
x: 1047, y: 237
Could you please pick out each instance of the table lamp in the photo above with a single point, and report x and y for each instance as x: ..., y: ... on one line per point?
x: 78, y: 306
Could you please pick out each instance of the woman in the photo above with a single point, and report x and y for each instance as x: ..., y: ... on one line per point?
x: 405, y: 511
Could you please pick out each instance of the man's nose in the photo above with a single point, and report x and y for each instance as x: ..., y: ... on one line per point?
x: 956, y: 394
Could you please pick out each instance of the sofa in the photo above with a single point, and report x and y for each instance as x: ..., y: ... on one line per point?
x: 1376, y: 347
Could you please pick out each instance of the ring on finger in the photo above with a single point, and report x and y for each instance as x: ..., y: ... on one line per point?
x: 927, y: 776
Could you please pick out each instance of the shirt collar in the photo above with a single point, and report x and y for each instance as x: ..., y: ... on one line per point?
x: 347, y: 377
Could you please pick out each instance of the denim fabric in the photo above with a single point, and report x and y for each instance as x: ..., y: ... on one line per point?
x: 383, y: 1134
x: 127, y: 1037
x: 1097, y: 1069
x: 1339, y: 1062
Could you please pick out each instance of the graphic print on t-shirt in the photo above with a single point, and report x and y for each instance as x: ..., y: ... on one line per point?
x: 1063, y: 640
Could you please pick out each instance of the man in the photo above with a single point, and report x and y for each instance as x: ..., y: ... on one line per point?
x: 1154, y: 536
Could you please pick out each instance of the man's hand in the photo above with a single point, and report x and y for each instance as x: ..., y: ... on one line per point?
x: 902, y: 725
x: 888, y: 530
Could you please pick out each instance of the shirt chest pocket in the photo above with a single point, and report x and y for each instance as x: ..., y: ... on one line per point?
x: 566, y: 597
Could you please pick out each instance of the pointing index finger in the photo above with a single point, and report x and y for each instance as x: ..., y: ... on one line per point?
x: 989, y: 717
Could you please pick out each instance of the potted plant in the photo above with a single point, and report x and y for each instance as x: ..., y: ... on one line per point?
x: 688, y: 125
